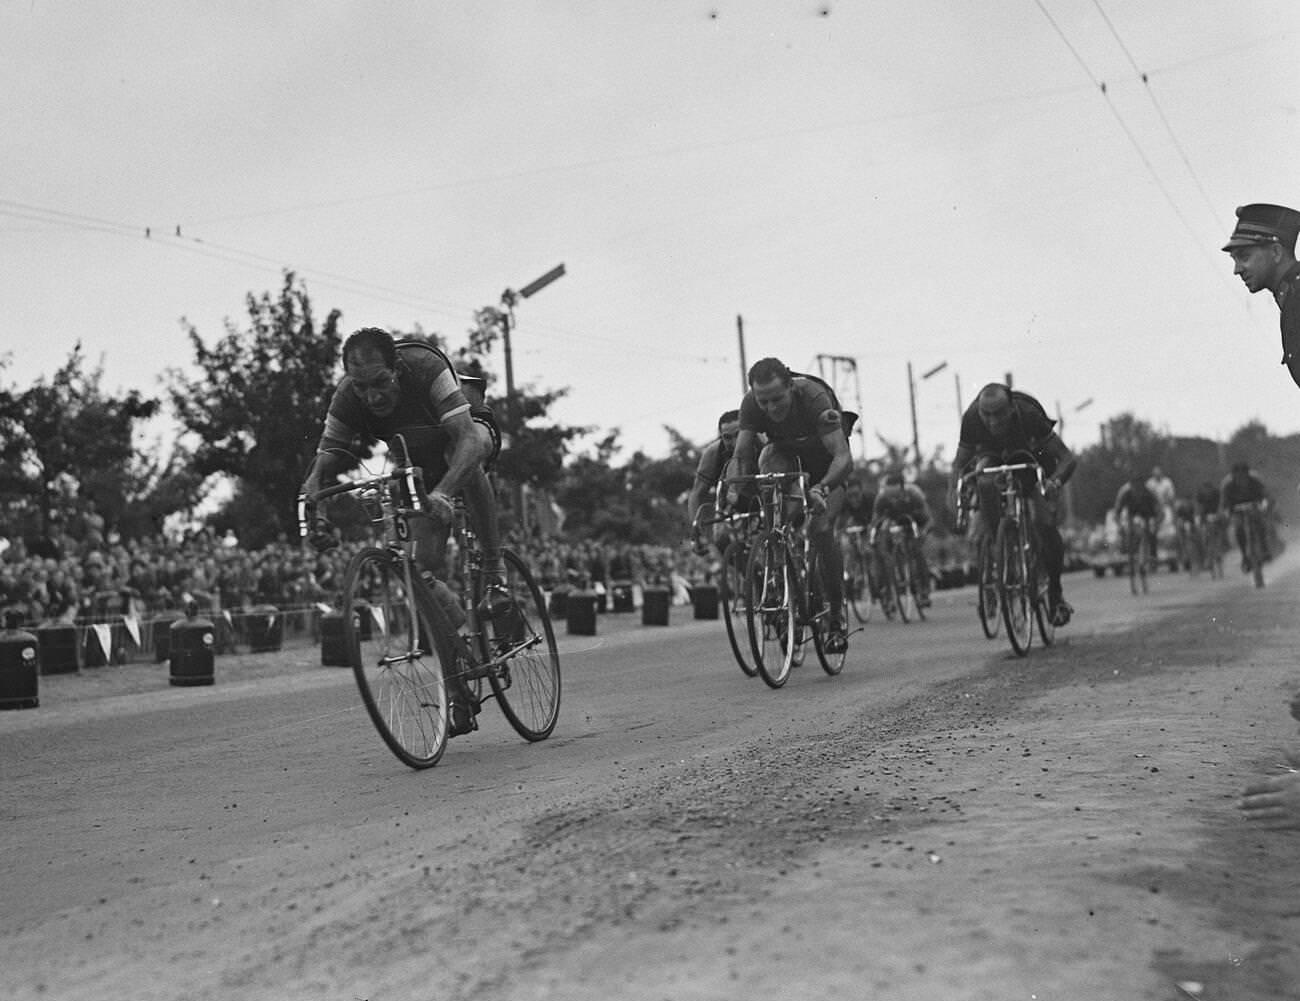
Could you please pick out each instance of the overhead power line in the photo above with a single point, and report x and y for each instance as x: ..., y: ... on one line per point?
x: 1164, y: 119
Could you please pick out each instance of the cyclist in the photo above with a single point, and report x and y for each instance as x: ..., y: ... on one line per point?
x: 1136, y: 499
x: 409, y: 388
x: 1185, y: 528
x: 1001, y: 421
x: 716, y: 463
x: 1241, y: 486
x: 806, y: 430
x: 905, y: 503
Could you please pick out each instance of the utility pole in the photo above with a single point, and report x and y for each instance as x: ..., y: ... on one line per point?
x: 744, y: 367
x: 508, y: 299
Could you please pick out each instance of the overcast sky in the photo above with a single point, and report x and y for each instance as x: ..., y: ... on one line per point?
x: 887, y: 182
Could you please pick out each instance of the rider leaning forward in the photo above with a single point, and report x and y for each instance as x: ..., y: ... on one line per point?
x: 806, y: 430
x: 1000, y: 422
x: 410, y: 389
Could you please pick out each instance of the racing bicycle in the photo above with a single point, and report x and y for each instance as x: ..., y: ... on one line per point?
x: 1022, y: 579
x: 784, y: 601
x: 405, y: 651
x: 1250, y: 516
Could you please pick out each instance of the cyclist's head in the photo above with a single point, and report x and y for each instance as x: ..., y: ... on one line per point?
x: 370, y: 341
x: 1241, y: 469
x: 1156, y: 472
x: 370, y: 363
x: 893, y: 479
x: 770, y: 383
x: 994, y: 407
x: 729, y: 428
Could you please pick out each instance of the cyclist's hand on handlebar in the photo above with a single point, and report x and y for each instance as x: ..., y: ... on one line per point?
x: 441, y: 507
x: 1051, y: 487
x: 817, y: 499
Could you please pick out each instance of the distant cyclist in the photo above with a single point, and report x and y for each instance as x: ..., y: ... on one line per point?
x: 806, y: 430
x: 1242, y: 486
x: 905, y: 503
x: 1003, y: 421
x: 1136, y: 499
x: 717, y: 461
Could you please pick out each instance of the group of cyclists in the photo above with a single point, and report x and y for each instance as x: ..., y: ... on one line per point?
x: 1200, y: 522
x: 408, y: 391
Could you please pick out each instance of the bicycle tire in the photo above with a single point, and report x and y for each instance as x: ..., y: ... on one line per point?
x: 527, y: 686
x: 902, y: 571
x: 1256, y: 548
x: 820, y: 618
x: 769, y: 611
x: 917, y: 586
x: 988, y: 605
x: 1042, y: 606
x: 859, y: 586
x: 398, y: 656
x: 1015, y: 593
x: 731, y: 595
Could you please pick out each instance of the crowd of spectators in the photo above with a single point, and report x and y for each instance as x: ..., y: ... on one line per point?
x: 100, y: 578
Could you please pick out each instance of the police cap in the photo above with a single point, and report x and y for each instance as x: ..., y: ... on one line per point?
x: 1258, y: 224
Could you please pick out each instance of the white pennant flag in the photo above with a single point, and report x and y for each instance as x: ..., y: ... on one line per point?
x: 133, y: 627
x: 377, y: 614
x: 104, y: 634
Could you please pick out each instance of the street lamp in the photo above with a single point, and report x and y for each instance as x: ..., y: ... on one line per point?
x: 508, y: 299
x: 911, y: 394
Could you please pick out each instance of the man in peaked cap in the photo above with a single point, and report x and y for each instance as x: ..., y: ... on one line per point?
x: 1263, y: 253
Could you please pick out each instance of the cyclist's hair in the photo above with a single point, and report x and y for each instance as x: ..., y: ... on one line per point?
x: 893, y: 479
x: 1241, y: 467
x: 994, y: 396
x: 767, y: 369
x: 727, y: 417
x: 371, y: 340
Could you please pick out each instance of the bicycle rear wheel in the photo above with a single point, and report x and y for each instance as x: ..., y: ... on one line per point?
x: 987, y: 604
x: 732, y: 596
x: 1015, y: 587
x: 399, y: 654
x: 527, y: 684
x: 770, y: 611
x: 1256, y: 550
x: 819, y: 613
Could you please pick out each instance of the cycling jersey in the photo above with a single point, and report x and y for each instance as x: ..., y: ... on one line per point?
x: 430, y: 394
x: 1137, y: 501
x: 1029, y: 431
x: 1246, y: 491
x: 813, y: 413
x: 900, y: 502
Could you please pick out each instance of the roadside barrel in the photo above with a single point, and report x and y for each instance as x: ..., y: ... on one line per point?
x: 581, y: 609
x: 20, y: 665
x: 59, y: 649
x: 655, y: 602
x: 621, y: 593
x: 333, y: 641
x: 264, y: 626
x: 192, y: 641
x: 705, y: 599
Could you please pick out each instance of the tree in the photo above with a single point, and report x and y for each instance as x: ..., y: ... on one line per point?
x: 257, y: 408
x: 67, y: 429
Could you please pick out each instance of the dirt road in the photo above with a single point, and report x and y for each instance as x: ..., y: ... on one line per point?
x: 943, y: 821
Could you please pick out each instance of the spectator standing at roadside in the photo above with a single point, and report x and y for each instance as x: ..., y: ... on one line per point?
x: 1262, y: 247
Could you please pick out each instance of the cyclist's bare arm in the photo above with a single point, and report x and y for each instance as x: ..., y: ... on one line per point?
x: 841, y: 459
x: 327, y: 466
x: 466, y: 453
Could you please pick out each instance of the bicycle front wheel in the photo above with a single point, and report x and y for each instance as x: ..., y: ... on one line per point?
x: 770, y: 610
x: 901, y: 564
x: 732, y: 595
x: 1015, y: 587
x: 987, y: 568
x: 820, y: 621
x: 859, y: 587
x: 398, y: 656
x: 527, y: 681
